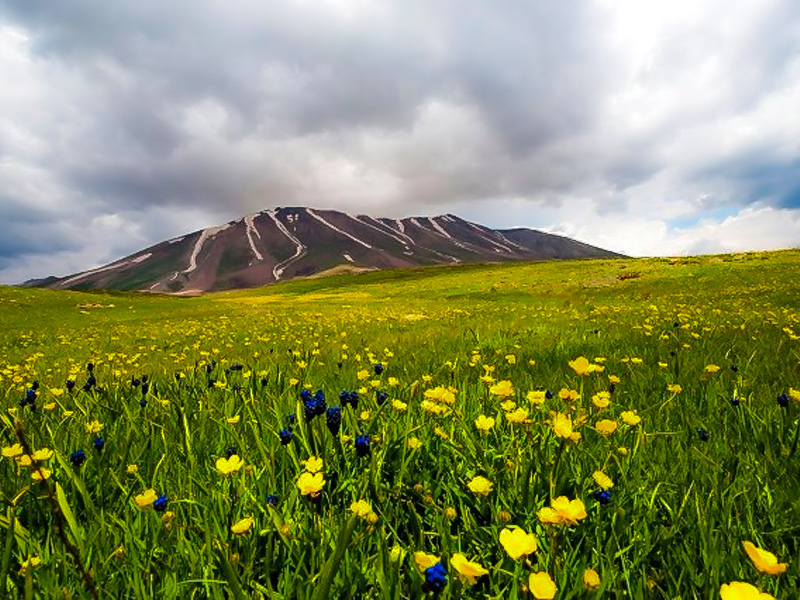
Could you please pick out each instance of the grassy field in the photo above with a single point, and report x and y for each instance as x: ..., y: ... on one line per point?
x: 606, y: 429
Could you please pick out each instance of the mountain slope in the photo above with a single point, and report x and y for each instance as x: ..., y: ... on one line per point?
x: 284, y: 243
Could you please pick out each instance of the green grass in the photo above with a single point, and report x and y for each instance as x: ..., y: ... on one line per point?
x: 680, y: 507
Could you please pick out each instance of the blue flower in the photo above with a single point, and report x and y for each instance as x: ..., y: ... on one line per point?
x: 703, y: 435
x: 381, y: 398
x: 333, y: 419
x: 90, y: 367
x: 143, y: 402
x: 436, y: 577
x: 272, y: 500
x: 236, y: 367
x: 354, y: 399
x: 362, y: 445
x: 309, y: 410
x: 99, y: 442
x: 783, y: 400
x: 735, y: 401
x: 70, y: 385
x: 305, y: 395
x: 378, y: 368
x: 30, y: 396
x: 160, y: 503
x: 548, y: 394
x: 602, y: 496
x: 286, y: 436
x: 230, y: 452
x: 135, y: 382
x: 77, y: 458
x: 35, y: 385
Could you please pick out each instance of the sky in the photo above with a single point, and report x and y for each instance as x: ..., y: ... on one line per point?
x: 646, y: 127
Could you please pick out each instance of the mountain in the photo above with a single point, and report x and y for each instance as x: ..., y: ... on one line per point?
x: 280, y: 244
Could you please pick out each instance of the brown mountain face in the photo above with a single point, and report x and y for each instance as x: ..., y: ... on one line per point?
x: 280, y: 244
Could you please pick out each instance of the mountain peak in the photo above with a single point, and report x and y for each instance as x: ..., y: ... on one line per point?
x: 286, y: 242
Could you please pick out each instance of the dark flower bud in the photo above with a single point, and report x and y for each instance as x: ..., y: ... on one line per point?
x: 236, y: 367
x: 602, y: 496
x: 286, y: 436
x: 703, y: 435
x: 35, y: 385
x: 70, y: 385
x: 264, y: 381
x: 309, y: 410
x: 99, y: 442
x: 362, y: 445
x: 90, y: 367
x: 230, y: 452
x: 548, y: 394
x: 135, y: 382
x: 143, y: 402
x: 378, y: 368
x: 272, y: 500
x: 735, y: 401
x: 381, y: 398
x: 305, y: 395
x: 77, y: 458
x: 333, y: 419
x: 160, y: 503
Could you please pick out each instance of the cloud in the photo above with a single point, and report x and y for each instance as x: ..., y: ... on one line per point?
x: 143, y: 120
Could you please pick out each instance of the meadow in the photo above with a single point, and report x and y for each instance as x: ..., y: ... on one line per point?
x: 599, y: 429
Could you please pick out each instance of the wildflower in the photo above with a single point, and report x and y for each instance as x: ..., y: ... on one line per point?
x: 582, y: 366
x: 480, y: 485
x: 399, y: 405
x: 710, y: 369
x: 234, y: 420
x: 286, y: 436
x: 603, y: 480
x: 739, y: 590
x: 568, y: 395
x: 12, y: 451
x: 414, y: 443
x: 423, y: 560
x: 783, y: 400
x: 622, y: 451
x: 228, y: 466
x: 561, y: 511
x: 613, y: 379
x: 50, y: 406
x: 536, y: 397
x: 794, y: 394
x: 362, y: 445
x: 41, y: 473
x: 450, y: 513
x: 243, y: 526
x: 674, y: 388
x: 517, y: 417
x: 310, y: 484
x: 436, y: 577
x: 602, y: 496
x: 441, y: 394
x: 362, y: 375
x: 132, y: 469
x: 764, y: 561
x: 562, y: 425
x: 313, y: 464
x: 98, y: 443
x: 396, y: 554
x: 484, y: 423
x: 333, y: 419
x: 630, y: 417
x: 167, y: 518
x: 542, y: 586
x: 272, y: 500
x: 703, y: 435
x: 468, y: 571
x: 511, y: 359
x: 160, y: 503
x: 77, y: 458
x: 591, y: 579
x: 378, y: 368
x: 601, y: 399
x: 606, y: 426
x: 94, y: 427
x: 361, y: 508
x: 502, y: 388
x: 146, y: 498
x: 29, y: 564
x: 517, y: 542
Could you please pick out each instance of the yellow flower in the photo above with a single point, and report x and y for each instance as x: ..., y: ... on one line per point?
x: 606, y: 426
x: 613, y: 379
x: 94, y: 427
x: 764, y: 561
x: 362, y: 375
x: 581, y: 366
x: 622, y: 451
x: 393, y: 382
x: 603, y: 480
x: 12, y: 451
x: 29, y: 564
x: 146, y: 498
x: 502, y: 388
x: 511, y: 359
x: 468, y: 571
x: 569, y: 511
x: 591, y: 579
x: 601, y: 399
x: 361, y: 508
x: 711, y: 369
x: 26, y: 460
x: 536, y: 397
x: 365, y: 415
x: 739, y: 590
x: 414, y: 443
x: 397, y: 554
x: 508, y: 405
x: 480, y: 485
x: 630, y: 417
x: 234, y: 420
x: 41, y: 473
x: 674, y: 388
x: 243, y: 526
x: 132, y: 469
x: 517, y: 542
x: 542, y: 586
x: 484, y: 423
x: 399, y: 405
x: 568, y: 395
x: 518, y: 416
x: 228, y: 466
x: 167, y: 518
x: 293, y: 381
x: 548, y: 516
x: 562, y: 425
x: 424, y: 560
x: 43, y: 455
x: 49, y: 406
x: 663, y: 365
x: 310, y: 484
x: 312, y: 464
x: 794, y: 394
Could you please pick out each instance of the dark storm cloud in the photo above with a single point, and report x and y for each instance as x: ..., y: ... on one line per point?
x: 124, y: 112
